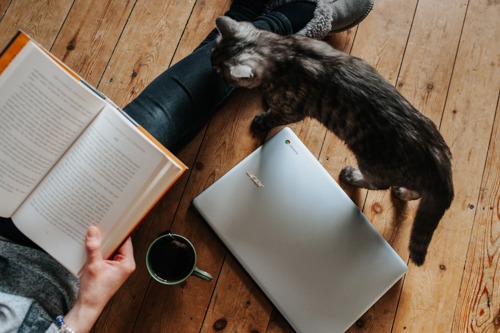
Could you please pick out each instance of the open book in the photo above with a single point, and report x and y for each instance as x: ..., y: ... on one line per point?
x: 69, y: 158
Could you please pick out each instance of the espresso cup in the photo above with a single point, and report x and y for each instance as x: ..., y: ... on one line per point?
x: 171, y: 259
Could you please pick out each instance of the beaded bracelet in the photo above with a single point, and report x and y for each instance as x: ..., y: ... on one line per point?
x: 63, y: 328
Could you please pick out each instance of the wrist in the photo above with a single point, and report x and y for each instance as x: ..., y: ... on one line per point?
x: 82, y: 317
x: 62, y: 326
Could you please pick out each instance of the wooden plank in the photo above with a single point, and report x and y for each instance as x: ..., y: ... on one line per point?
x: 3, y: 7
x: 247, y: 310
x: 478, y: 308
x: 89, y: 35
x: 391, y: 218
x: 146, y: 47
x: 201, y: 22
x: 431, y: 291
x: 382, y: 36
x: 42, y: 21
x: 429, y: 57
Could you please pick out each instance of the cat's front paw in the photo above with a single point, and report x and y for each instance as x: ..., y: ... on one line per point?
x: 259, y: 123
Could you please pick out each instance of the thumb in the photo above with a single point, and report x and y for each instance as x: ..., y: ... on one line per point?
x: 93, y: 244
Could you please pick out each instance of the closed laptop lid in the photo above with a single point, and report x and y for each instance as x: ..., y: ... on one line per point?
x: 300, y: 237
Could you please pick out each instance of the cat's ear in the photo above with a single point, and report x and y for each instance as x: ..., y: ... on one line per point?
x: 227, y: 26
x: 241, y: 72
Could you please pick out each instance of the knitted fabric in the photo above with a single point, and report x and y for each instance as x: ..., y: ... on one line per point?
x: 330, y: 15
x: 40, y: 287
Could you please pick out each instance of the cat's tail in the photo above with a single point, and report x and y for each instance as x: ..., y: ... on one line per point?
x: 430, y: 211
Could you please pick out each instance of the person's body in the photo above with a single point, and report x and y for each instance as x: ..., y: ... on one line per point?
x: 34, y: 288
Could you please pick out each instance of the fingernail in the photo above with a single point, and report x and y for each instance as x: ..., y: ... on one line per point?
x: 91, y: 232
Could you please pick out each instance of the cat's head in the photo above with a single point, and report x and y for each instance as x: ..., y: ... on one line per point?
x: 235, y: 56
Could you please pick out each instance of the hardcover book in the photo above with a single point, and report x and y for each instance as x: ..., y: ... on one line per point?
x: 70, y: 158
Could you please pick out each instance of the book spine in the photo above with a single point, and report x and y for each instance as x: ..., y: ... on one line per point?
x: 109, y: 101
x: 12, y: 49
x: 97, y: 92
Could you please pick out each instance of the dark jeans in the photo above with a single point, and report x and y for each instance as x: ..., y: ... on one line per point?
x: 176, y: 105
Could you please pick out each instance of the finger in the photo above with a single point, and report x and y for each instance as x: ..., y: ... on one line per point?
x: 127, y: 250
x: 125, y: 255
x: 93, y: 244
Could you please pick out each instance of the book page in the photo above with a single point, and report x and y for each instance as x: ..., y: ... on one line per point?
x: 163, y: 180
x: 93, y: 184
x: 43, y: 109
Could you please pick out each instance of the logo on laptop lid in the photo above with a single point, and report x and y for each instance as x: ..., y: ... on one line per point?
x: 254, y: 179
x: 289, y: 144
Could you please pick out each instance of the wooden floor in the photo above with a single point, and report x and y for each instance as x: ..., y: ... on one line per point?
x: 443, y: 55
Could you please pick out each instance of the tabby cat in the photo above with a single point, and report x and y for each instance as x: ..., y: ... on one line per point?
x: 395, y: 145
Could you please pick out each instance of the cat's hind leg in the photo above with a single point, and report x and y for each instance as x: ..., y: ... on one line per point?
x: 355, y: 177
x: 404, y: 193
x: 269, y: 119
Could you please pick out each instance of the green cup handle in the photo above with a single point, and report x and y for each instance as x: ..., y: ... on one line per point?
x: 202, y: 274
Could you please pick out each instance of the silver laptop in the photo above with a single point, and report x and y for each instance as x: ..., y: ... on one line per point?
x: 300, y: 237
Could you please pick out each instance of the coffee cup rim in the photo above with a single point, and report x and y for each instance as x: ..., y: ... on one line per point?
x: 154, y: 275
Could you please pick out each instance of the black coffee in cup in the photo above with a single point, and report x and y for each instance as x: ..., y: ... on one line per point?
x: 171, y: 259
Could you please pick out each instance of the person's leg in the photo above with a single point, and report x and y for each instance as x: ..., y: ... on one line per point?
x: 176, y: 105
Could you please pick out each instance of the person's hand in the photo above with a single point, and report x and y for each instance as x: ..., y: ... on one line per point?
x: 99, y: 281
